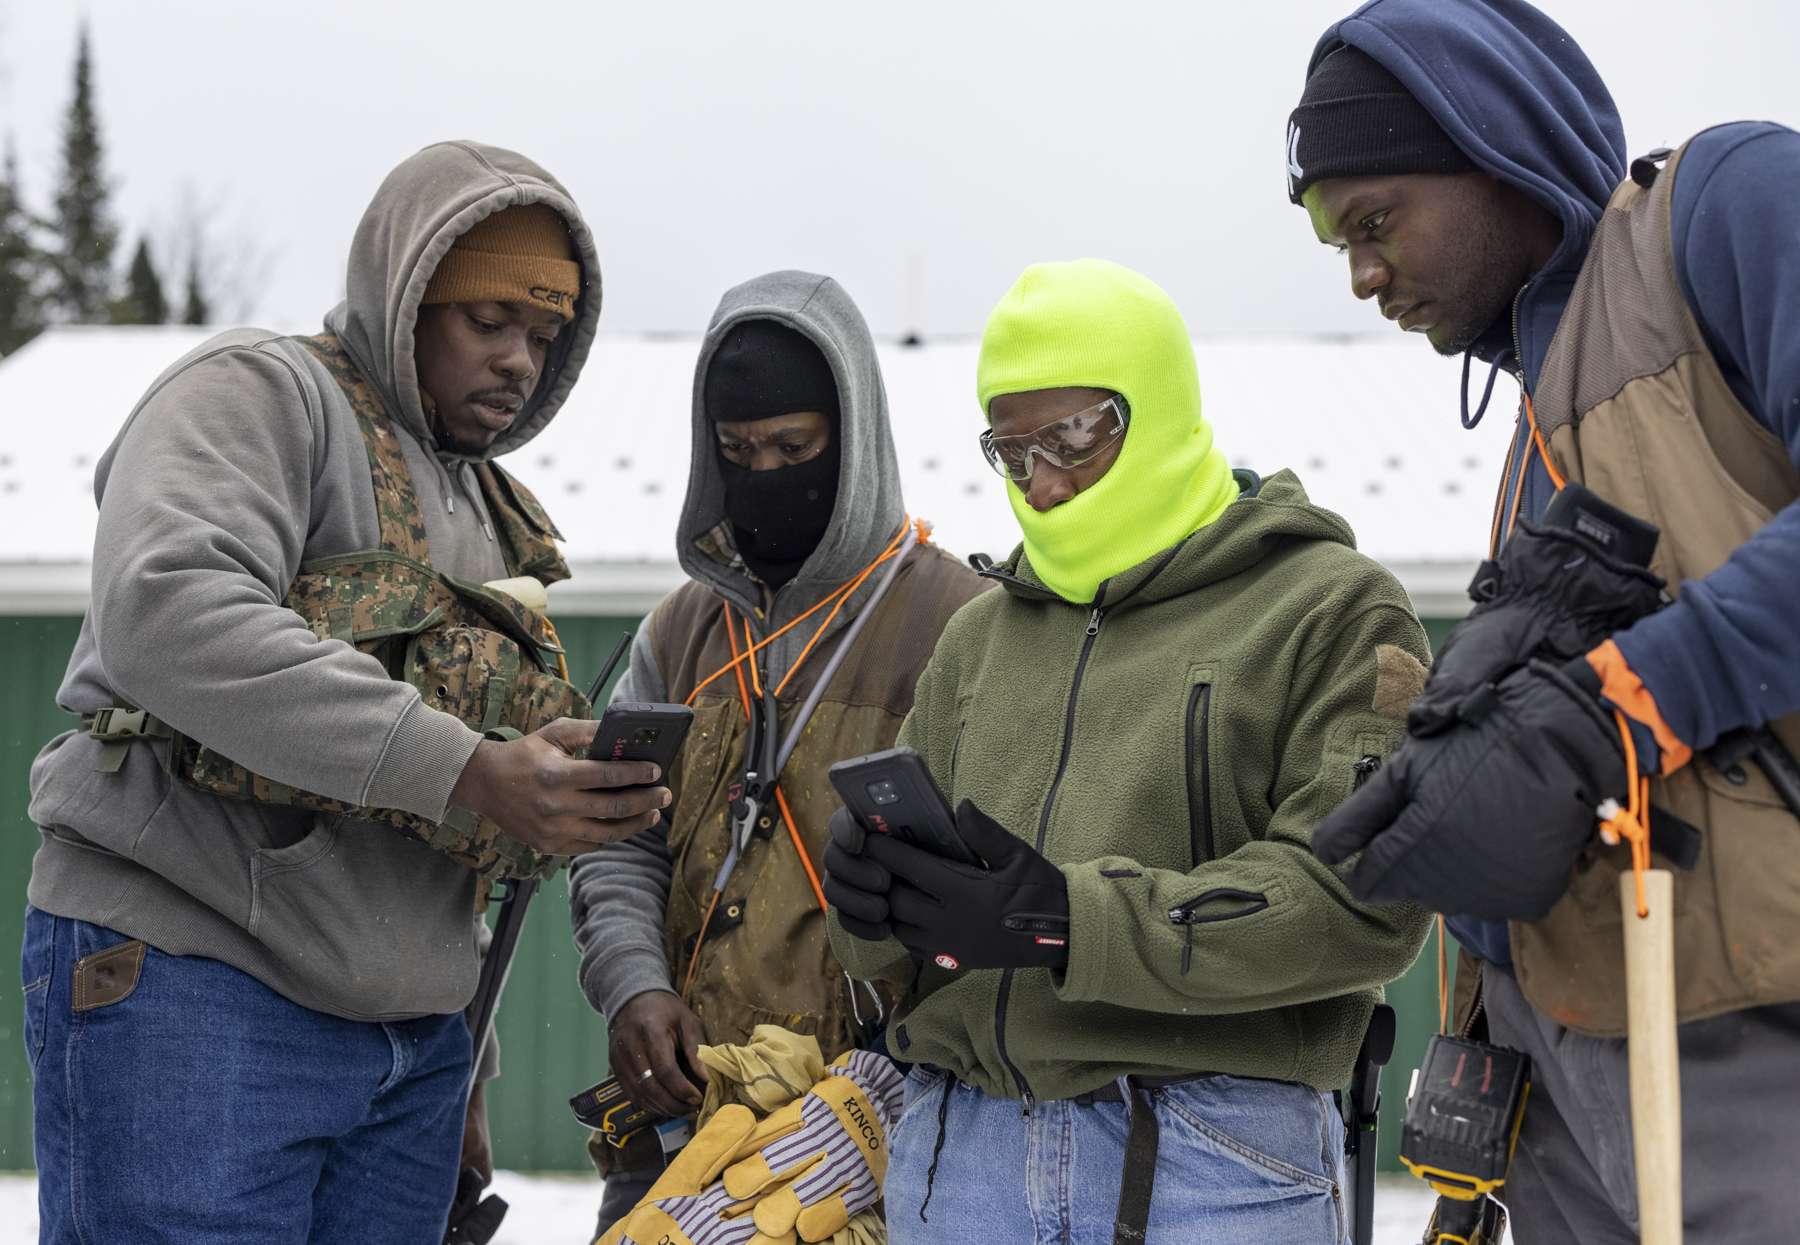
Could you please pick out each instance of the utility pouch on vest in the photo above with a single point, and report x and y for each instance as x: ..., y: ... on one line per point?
x: 472, y: 652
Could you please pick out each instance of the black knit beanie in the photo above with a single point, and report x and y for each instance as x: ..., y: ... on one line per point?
x: 1356, y: 120
x: 763, y: 368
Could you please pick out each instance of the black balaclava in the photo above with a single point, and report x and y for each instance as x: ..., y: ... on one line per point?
x: 1355, y: 119
x: 761, y: 369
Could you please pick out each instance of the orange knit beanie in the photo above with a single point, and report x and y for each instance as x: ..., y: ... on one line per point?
x: 520, y: 254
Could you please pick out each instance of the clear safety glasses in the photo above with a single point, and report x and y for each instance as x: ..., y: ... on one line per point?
x: 1066, y: 442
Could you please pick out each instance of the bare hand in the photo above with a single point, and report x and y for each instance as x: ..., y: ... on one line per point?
x: 477, y: 1149
x: 650, y: 1032
x: 543, y: 792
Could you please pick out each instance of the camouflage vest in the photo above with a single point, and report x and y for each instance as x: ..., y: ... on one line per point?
x: 472, y: 652
x: 1633, y: 405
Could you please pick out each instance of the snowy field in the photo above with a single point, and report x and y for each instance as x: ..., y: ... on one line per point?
x: 559, y: 1210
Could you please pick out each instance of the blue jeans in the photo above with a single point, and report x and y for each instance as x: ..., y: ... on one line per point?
x: 203, y: 1107
x: 1238, y: 1160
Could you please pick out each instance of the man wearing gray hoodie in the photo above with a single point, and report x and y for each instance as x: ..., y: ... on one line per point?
x: 244, y: 1016
x: 812, y: 606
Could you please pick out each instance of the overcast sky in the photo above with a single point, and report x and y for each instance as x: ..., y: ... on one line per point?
x: 921, y: 153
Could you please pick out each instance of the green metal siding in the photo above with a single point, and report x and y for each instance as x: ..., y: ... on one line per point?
x: 39, y: 649
x: 552, y: 1043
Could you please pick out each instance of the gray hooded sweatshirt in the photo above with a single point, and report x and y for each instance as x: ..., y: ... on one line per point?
x: 242, y: 461
x: 619, y: 892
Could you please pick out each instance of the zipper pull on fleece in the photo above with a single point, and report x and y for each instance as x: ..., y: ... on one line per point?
x: 1095, y: 619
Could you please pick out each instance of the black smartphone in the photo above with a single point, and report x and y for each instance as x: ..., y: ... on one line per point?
x: 892, y: 792
x: 642, y: 731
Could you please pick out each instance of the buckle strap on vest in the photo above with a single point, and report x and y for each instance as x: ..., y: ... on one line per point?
x: 116, y: 728
x: 1645, y: 168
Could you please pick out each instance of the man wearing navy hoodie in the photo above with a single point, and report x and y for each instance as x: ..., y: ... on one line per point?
x: 1467, y: 159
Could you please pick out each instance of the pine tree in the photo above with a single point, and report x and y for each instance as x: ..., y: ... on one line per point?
x: 197, y: 310
x: 143, y: 301
x: 85, y: 232
x: 21, y: 264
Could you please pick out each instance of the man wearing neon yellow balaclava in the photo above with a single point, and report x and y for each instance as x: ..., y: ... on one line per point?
x: 1187, y: 668
x: 1063, y: 334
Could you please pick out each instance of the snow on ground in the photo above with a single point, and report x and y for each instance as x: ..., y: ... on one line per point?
x: 559, y: 1210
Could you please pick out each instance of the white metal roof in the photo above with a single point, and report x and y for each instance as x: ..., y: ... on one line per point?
x: 1369, y: 424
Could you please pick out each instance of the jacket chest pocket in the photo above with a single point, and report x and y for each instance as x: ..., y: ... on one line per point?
x: 1198, y: 762
x: 962, y: 725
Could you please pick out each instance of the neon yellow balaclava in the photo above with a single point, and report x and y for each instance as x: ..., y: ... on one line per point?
x: 1093, y: 324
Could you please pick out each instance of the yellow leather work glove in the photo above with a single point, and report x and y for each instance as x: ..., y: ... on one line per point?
x: 818, y: 1161
x: 865, y: 1228
x: 687, y: 1202
x: 769, y: 1071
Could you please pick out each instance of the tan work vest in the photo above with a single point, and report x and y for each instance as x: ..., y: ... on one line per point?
x: 1633, y: 405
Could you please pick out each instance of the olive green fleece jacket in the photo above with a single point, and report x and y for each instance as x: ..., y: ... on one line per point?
x: 1171, y: 747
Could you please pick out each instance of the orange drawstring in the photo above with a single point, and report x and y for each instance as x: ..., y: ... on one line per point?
x: 1443, y: 980
x: 780, y: 798
x: 1631, y: 823
x: 1556, y: 477
x: 812, y: 875
x: 1495, y: 537
x: 750, y: 642
x: 844, y: 595
x: 735, y: 667
x: 835, y: 597
x: 699, y: 941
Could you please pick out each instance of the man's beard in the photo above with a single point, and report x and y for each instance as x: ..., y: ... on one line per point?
x: 1485, y: 287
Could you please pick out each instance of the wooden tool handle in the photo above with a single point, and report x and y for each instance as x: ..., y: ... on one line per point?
x: 1655, y: 1062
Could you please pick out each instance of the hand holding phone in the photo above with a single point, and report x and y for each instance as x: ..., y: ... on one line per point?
x: 892, y: 792
x: 543, y: 791
x: 642, y: 731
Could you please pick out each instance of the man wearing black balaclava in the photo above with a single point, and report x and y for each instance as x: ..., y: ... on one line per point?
x: 774, y: 410
x: 712, y: 923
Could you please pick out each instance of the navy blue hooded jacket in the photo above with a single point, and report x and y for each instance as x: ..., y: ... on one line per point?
x: 1521, y: 99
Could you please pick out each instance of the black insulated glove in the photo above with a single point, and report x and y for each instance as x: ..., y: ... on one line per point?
x: 1559, y: 588
x: 1486, y: 805
x: 473, y: 1219
x: 855, y: 886
x: 1013, y: 914
x: 1486, y: 819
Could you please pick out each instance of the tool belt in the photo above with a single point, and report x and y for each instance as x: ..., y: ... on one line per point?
x: 473, y: 652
